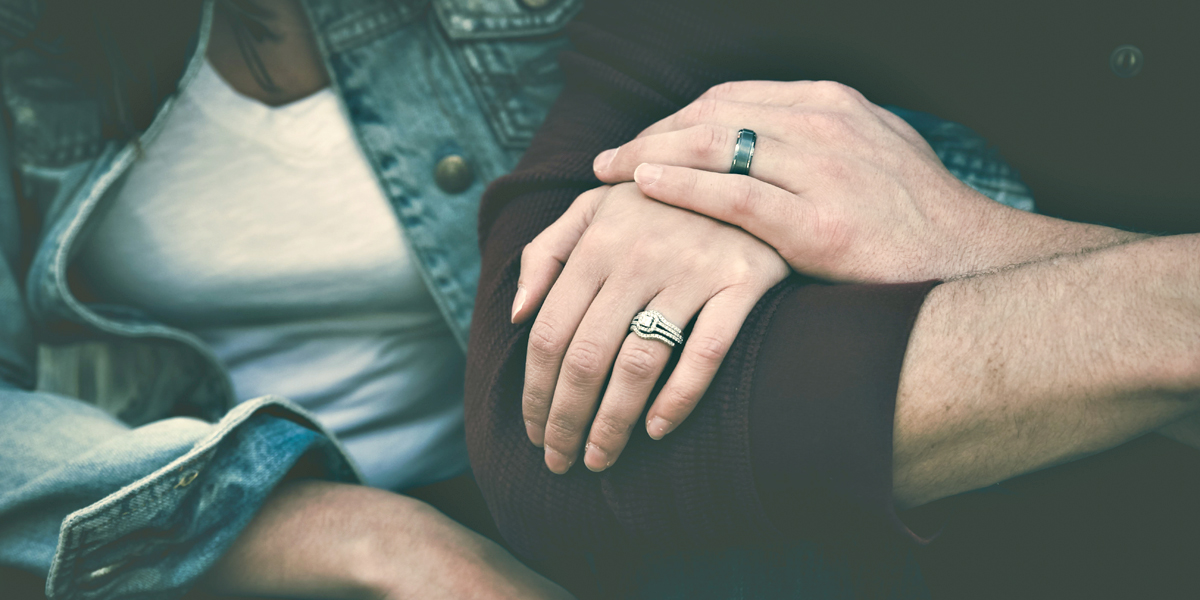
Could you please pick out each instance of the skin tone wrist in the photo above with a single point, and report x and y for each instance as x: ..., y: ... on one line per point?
x: 984, y: 236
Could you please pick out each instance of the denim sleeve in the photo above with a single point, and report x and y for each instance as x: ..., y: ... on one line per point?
x: 103, y: 510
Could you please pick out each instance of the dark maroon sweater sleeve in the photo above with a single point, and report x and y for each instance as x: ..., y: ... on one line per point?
x: 794, y: 437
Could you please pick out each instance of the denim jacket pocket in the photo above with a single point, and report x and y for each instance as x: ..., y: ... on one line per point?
x: 509, y: 51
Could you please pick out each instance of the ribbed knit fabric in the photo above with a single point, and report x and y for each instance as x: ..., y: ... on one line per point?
x: 822, y: 407
x: 635, y: 63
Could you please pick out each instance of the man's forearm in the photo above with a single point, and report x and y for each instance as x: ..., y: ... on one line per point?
x: 1014, y: 371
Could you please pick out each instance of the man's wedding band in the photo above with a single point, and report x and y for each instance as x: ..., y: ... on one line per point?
x: 743, y: 152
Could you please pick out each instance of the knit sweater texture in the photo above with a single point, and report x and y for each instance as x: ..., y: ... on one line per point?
x: 823, y: 359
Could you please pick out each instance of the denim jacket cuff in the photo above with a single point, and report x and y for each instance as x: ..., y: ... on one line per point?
x: 155, y: 537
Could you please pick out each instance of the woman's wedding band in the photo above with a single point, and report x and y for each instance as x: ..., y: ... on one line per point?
x: 652, y: 325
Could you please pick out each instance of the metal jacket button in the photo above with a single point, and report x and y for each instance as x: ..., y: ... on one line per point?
x: 453, y: 174
x: 1126, y: 61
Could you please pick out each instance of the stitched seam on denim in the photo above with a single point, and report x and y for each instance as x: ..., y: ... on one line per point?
x: 369, y: 25
x: 479, y: 25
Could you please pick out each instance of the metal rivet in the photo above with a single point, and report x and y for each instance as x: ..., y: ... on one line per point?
x: 187, y: 479
x: 95, y: 579
x: 1126, y: 61
x: 453, y: 174
x: 536, y: 4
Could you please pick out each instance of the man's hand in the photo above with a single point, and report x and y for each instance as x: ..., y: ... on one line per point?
x: 1091, y: 342
x: 628, y: 253
x: 316, y: 539
x: 842, y: 188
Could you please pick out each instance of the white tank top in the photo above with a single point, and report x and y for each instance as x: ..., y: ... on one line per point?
x: 263, y: 231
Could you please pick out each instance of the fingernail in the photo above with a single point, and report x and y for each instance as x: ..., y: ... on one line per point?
x: 658, y: 427
x: 536, y: 433
x: 647, y: 174
x: 604, y: 159
x: 596, y: 459
x: 518, y: 302
x: 557, y: 461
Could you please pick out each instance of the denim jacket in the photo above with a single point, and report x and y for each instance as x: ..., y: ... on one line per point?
x: 125, y: 468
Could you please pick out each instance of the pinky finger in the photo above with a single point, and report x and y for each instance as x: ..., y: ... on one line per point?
x: 703, y: 351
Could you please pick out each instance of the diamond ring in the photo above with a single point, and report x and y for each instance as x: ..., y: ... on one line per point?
x: 652, y: 325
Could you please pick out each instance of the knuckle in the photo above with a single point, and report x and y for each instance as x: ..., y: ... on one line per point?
x: 708, y: 350
x: 638, y: 362
x: 631, y: 152
x: 563, y: 432
x: 700, y: 111
x: 707, y: 141
x: 743, y: 196
x: 545, y: 341
x: 584, y: 363
x: 532, y: 252
x: 589, y: 200
x: 834, y: 91
x: 676, y: 403
x: 739, y: 272
x: 830, y: 125
x: 533, y: 403
x: 721, y: 90
x: 598, y: 240
x: 608, y: 429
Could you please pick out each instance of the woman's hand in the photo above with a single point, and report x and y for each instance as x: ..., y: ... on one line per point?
x: 626, y: 254
x: 843, y: 189
x: 315, y: 539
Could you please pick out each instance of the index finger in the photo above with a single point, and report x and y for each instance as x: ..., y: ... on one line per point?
x: 543, y: 258
x: 785, y: 221
x: 549, y: 338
